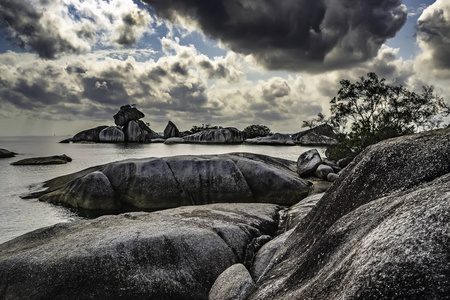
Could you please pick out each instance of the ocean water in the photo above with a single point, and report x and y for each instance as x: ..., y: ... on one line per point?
x: 18, y: 216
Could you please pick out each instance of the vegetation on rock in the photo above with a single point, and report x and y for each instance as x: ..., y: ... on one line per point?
x: 253, y: 131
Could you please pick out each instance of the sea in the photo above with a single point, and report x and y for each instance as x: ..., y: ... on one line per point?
x: 19, y: 216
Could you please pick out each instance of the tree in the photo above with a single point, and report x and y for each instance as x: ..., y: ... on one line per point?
x: 196, y: 128
x: 319, y: 120
x: 379, y: 111
x: 253, y: 131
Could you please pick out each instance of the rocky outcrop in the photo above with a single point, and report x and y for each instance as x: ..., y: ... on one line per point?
x: 112, y: 134
x: 171, y: 131
x: 322, y: 135
x: 6, y: 153
x: 160, y: 183
x: 228, y: 135
x: 134, y: 132
x: 126, y: 114
x: 275, y: 139
x: 49, y: 160
x: 308, y: 162
x: 380, y: 232
x: 174, y: 140
x: 171, y: 254
x: 89, y: 135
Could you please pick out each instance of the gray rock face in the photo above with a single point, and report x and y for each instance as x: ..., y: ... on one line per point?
x: 6, y: 153
x: 160, y: 183
x: 322, y: 135
x: 49, y: 160
x: 380, y: 232
x: 235, y: 283
x: 89, y: 135
x: 296, y: 213
x: 308, y: 162
x: 228, y: 135
x: 275, y: 139
x: 127, y: 114
x: 332, y: 177
x: 322, y: 171
x: 112, y: 134
x: 171, y: 254
x: 174, y: 140
x: 171, y: 131
x: 134, y: 132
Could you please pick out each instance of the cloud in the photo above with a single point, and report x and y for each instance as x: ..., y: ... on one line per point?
x: 298, y: 35
x: 55, y: 27
x: 433, y: 29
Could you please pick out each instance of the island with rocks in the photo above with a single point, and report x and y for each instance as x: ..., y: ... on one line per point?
x: 48, y: 160
x: 129, y: 128
x: 247, y: 226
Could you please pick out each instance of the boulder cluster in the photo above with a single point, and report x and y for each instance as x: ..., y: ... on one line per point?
x: 381, y: 231
x: 311, y: 163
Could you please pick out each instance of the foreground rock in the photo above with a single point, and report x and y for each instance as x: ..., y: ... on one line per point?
x: 235, y: 283
x: 6, y: 153
x: 160, y: 183
x: 172, y: 254
x: 275, y: 139
x: 228, y: 135
x: 322, y: 135
x: 380, y: 232
x: 49, y: 160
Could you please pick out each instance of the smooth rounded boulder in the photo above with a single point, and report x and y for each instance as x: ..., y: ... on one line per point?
x: 112, y: 134
x: 171, y: 254
x: 126, y: 114
x: 308, y: 162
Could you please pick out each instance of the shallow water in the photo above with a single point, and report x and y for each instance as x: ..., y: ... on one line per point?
x: 18, y: 216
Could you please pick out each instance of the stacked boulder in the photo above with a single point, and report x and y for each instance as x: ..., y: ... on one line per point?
x: 310, y: 163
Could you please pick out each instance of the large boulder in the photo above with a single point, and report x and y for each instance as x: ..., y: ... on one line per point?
x: 48, y: 160
x: 308, y: 162
x: 137, y: 131
x: 171, y: 254
x: 322, y: 135
x: 6, y: 153
x: 112, y: 134
x: 380, y: 232
x: 159, y: 183
x: 89, y: 135
x: 228, y: 135
x: 171, y: 131
x: 275, y: 139
x: 235, y: 283
x: 126, y: 114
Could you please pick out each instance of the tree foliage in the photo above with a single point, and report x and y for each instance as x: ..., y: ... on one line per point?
x: 317, y: 121
x: 253, y: 131
x: 378, y: 111
x: 196, y: 128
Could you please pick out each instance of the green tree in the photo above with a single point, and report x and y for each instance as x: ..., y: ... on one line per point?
x: 319, y: 120
x: 378, y: 111
x: 253, y: 131
x: 196, y: 128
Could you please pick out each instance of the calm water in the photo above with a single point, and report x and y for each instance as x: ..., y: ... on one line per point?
x: 18, y: 216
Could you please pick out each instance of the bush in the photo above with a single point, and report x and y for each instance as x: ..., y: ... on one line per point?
x: 254, y: 131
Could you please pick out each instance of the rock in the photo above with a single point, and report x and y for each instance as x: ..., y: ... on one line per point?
x: 160, y: 183
x: 171, y: 254
x: 112, y: 134
x: 159, y: 140
x: 89, y: 135
x: 135, y: 132
x: 49, y: 160
x: 235, y: 283
x: 6, y: 153
x: 66, y: 141
x: 380, y: 232
x: 127, y: 114
x: 332, y: 177
x: 308, y: 162
x: 171, y: 131
x: 265, y: 254
x: 322, y: 135
x: 275, y: 139
x: 335, y: 167
x: 322, y: 171
x: 228, y: 135
x: 185, y: 133
x: 296, y: 213
x: 344, y: 162
x: 174, y: 140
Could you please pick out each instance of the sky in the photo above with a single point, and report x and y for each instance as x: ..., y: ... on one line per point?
x: 68, y: 65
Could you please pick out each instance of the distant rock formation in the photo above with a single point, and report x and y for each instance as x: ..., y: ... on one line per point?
x: 89, y: 135
x: 126, y: 114
x: 112, y: 134
x: 161, y: 183
x: 229, y: 135
x: 275, y: 139
x: 49, y: 160
x: 171, y: 131
x: 6, y: 153
x: 322, y: 135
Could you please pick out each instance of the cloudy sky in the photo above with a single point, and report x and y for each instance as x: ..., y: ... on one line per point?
x: 67, y: 65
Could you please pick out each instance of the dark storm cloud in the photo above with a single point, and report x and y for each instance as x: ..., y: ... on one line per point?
x: 311, y: 35
x: 130, y: 30
x: 433, y: 29
x: 104, y: 91
x: 29, y: 27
